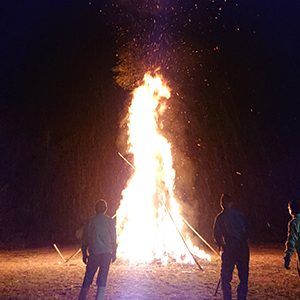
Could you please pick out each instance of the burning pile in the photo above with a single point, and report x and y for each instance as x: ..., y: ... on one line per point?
x: 148, y: 219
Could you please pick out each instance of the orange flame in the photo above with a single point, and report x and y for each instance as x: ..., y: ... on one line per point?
x: 145, y: 230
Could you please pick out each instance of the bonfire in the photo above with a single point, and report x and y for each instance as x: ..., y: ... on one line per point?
x: 149, y: 223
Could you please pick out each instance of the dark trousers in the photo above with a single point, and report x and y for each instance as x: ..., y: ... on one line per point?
x: 298, y: 263
x: 236, y: 254
x: 101, y: 261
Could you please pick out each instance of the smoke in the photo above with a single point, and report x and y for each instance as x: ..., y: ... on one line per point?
x: 160, y: 35
x: 177, y: 38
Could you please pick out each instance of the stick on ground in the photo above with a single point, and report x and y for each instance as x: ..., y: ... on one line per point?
x: 56, y: 248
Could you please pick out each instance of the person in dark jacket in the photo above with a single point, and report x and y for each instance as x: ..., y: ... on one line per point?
x: 99, y: 248
x: 293, y: 237
x: 231, y: 238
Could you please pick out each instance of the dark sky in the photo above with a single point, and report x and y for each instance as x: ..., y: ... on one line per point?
x: 60, y: 107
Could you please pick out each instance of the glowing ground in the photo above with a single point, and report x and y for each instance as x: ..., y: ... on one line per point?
x: 36, y: 274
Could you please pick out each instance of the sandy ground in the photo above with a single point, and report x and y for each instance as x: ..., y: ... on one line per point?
x: 41, y: 274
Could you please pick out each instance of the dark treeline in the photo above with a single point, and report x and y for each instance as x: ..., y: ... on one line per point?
x: 59, y: 123
x: 232, y: 118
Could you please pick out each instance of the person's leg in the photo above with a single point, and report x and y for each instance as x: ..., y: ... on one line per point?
x: 104, y: 264
x: 91, y: 269
x: 243, y: 272
x: 298, y: 263
x: 83, y: 293
x: 228, y: 264
x: 100, y: 293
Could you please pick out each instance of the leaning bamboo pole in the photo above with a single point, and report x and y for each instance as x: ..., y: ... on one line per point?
x: 56, y: 248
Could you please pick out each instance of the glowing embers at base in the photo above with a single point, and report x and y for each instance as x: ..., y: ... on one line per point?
x: 146, y: 232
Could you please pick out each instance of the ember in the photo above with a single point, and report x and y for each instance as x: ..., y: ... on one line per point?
x: 148, y: 219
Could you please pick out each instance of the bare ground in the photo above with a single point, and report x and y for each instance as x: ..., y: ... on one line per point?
x: 41, y: 274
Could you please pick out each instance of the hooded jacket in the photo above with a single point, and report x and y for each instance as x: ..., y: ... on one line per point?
x: 292, y: 242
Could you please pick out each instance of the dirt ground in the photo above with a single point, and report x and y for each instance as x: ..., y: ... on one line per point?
x: 41, y: 274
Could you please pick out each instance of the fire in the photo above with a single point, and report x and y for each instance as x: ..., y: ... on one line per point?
x: 148, y: 210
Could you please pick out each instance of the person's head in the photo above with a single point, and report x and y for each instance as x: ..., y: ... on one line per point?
x: 294, y: 208
x: 101, y: 206
x: 226, y: 201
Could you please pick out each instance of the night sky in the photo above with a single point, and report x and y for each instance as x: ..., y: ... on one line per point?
x: 67, y: 70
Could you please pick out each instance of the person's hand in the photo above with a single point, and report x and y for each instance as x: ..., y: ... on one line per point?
x: 113, y: 257
x: 85, y: 258
x: 287, y: 263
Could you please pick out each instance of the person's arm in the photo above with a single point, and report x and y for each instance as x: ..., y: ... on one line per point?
x: 85, y: 244
x: 292, y: 238
x: 114, y: 241
x: 218, y: 237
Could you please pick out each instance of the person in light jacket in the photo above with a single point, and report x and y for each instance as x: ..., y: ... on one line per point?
x: 293, y: 237
x: 99, y: 248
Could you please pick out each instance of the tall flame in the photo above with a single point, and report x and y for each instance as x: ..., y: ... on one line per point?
x: 148, y: 211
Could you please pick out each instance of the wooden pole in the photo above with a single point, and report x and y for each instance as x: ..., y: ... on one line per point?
x: 132, y: 166
x: 183, y: 238
x: 219, y: 282
x: 199, y: 236
x: 73, y: 255
x: 56, y: 248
